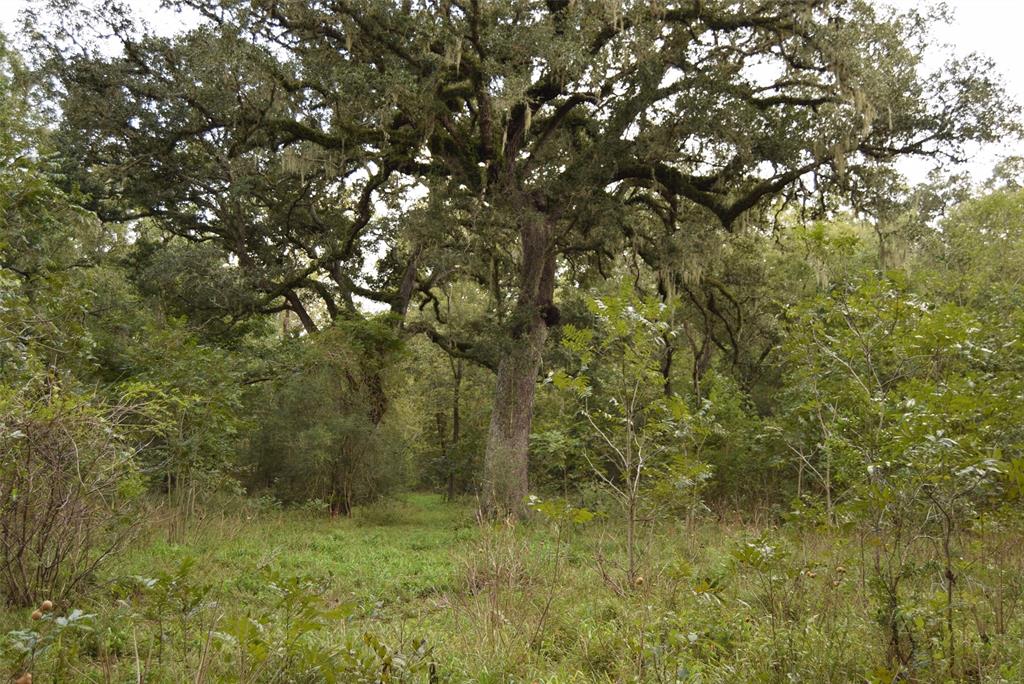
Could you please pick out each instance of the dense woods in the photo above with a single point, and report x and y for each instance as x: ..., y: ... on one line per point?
x: 358, y: 340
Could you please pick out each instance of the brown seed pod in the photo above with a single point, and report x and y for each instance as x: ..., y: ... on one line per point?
x: 37, y: 614
x: 46, y: 606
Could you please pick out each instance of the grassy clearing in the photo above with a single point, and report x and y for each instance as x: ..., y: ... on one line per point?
x: 392, y: 553
x: 717, y: 602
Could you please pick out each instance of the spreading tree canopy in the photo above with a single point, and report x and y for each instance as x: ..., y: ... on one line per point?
x: 380, y: 149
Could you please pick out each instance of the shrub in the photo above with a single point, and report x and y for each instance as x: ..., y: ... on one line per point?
x: 642, y: 437
x: 323, y: 429
x: 309, y: 451
x: 68, y: 482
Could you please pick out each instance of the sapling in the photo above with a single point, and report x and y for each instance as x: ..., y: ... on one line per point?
x: 639, y: 432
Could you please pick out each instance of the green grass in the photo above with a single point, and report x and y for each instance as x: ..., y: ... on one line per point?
x: 493, y: 607
x: 394, y: 553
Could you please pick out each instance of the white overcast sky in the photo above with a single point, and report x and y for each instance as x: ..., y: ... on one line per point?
x: 990, y: 27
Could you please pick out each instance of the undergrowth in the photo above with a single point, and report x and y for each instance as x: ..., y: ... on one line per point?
x: 419, y: 591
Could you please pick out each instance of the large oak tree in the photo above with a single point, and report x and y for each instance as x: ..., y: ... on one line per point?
x: 285, y: 130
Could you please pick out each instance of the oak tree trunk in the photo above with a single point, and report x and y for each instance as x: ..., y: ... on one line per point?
x: 507, y: 454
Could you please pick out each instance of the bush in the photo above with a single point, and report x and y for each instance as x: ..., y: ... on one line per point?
x: 644, y: 441
x: 68, y: 482
x: 317, y: 437
x: 311, y: 448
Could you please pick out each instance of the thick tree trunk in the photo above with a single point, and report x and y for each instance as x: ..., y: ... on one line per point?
x: 508, y: 440
x: 506, y: 456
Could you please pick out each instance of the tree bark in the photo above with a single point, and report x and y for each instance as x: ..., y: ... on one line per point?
x: 456, y: 423
x: 506, y: 457
x: 295, y: 304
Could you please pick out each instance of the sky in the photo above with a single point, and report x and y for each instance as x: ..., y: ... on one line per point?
x: 989, y: 27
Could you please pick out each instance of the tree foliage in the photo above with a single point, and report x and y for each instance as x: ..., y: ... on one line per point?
x: 560, y: 131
